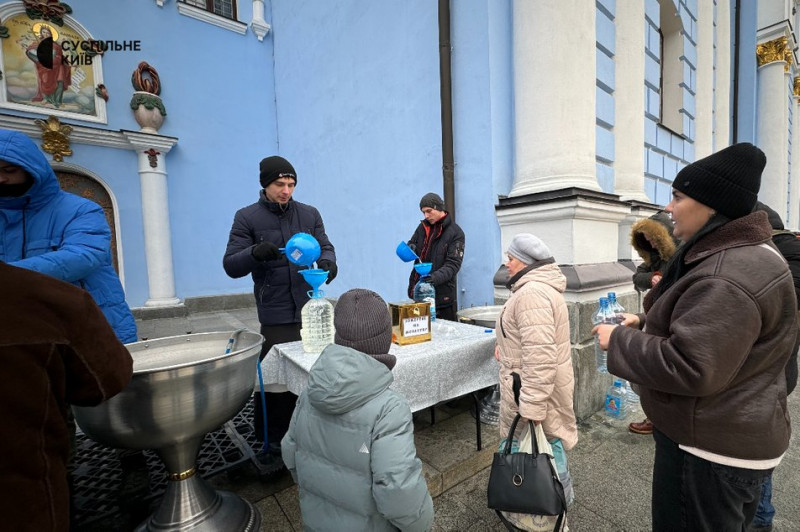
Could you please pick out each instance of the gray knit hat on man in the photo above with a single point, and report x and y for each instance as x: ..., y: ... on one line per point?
x: 432, y: 200
x: 362, y: 322
x: 528, y: 248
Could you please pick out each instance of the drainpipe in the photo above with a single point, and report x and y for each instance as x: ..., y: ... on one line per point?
x: 445, y: 88
x: 736, y: 46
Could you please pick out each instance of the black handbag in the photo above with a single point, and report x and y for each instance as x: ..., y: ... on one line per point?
x: 525, y: 483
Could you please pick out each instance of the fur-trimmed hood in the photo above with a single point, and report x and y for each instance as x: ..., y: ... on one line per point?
x: 658, y: 230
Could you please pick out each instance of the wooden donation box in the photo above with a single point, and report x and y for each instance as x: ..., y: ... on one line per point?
x: 411, y: 322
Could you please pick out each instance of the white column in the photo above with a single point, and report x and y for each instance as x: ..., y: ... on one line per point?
x: 722, y: 77
x: 554, y: 95
x: 155, y: 217
x: 629, y: 102
x: 259, y: 24
x: 772, y: 125
x: 704, y: 97
x: 794, y: 192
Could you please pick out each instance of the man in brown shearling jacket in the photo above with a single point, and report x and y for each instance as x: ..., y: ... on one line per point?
x: 56, y: 348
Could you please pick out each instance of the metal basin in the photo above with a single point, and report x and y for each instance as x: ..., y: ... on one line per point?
x: 482, y: 316
x: 182, y: 388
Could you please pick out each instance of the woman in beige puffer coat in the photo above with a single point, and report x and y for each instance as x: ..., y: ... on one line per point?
x: 533, y: 341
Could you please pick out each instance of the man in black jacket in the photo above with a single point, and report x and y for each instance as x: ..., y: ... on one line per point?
x: 438, y: 239
x: 789, y: 246
x: 258, y: 231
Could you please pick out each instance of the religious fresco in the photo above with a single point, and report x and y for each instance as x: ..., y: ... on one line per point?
x: 40, y: 73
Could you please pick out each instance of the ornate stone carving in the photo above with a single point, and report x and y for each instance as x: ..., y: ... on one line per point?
x: 152, y: 157
x: 796, y: 90
x: 55, y: 137
x: 774, y: 50
x: 52, y: 10
x: 148, y: 110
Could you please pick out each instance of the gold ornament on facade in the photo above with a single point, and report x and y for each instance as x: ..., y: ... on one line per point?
x: 796, y: 90
x: 789, y: 60
x: 55, y: 137
x: 774, y: 50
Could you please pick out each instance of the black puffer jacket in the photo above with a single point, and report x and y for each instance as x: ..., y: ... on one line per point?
x: 653, y: 241
x: 789, y: 246
x: 442, y: 244
x: 279, y: 290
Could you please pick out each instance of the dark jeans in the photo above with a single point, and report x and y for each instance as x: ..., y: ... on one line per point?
x: 765, y: 511
x: 280, y: 406
x: 690, y: 493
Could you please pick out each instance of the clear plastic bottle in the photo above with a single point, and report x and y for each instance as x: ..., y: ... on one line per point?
x: 602, y: 315
x: 424, y: 292
x: 317, y: 323
x: 633, y: 399
x: 616, y: 308
x: 616, y: 404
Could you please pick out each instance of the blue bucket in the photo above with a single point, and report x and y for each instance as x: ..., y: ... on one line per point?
x: 405, y: 253
x: 302, y: 249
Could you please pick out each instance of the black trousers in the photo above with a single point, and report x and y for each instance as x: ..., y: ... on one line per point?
x: 446, y: 313
x: 280, y: 406
x: 690, y: 493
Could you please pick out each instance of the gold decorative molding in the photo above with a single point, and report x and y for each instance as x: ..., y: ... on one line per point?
x: 789, y: 60
x: 796, y: 90
x: 55, y: 137
x: 774, y: 50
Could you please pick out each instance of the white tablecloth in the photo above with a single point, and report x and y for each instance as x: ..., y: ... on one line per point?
x: 459, y: 359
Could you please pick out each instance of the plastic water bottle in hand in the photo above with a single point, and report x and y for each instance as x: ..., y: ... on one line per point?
x: 616, y: 309
x: 617, y: 405
x: 603, y: 315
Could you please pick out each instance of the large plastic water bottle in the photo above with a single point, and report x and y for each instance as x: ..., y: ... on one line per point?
x: 424, y: 292
x: 602, y: 315
x: 633, y: 399
x: 617, y: 405
x: 317, y: 323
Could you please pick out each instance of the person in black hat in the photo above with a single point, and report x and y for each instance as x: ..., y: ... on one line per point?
x: 439, y: 240
x: 710, y: 364
x: 258, y: 232
x: 350, y: 447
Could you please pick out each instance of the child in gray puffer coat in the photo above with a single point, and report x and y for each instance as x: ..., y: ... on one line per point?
x: 350, y: 446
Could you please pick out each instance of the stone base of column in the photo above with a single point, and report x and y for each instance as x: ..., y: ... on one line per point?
x: 163, y: 302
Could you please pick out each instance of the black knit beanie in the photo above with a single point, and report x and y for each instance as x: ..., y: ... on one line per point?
x: 432, y: 200
x: 727, y: 181
x: 271, y: 168
x: 362, y: 322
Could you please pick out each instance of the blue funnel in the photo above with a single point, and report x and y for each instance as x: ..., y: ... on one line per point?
x: 423, y: 268
x: 302, y: 249
x: 315, y: 278
x: 405, y: 253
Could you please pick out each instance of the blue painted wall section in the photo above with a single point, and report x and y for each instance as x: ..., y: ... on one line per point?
x: 666, y: 152
x: 604, y: 142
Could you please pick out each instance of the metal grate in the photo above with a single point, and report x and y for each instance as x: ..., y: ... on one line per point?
x: 97, y: 474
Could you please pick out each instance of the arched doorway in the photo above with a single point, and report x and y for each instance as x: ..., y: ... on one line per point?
x: 86, y: 187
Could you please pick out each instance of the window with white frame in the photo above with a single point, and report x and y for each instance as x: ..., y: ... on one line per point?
x: 223, y: 8
x: 671, y: 67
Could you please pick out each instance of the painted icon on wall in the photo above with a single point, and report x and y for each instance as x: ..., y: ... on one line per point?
x: 45, y: 69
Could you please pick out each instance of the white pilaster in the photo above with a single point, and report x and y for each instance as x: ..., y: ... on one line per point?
x: 554, y: 95
x: 704, y: 97
x: 155, y: 216
x: 722, y: 76
x: 629, y: 102
x: 259, y: 24
x: 772, y: 132
x: 794, y: 192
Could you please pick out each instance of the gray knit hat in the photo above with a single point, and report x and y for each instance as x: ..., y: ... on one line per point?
x: 528, y: 248
x: 432, y: 200
x: 362, y: 322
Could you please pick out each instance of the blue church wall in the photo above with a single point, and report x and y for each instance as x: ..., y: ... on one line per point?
x: 666, y: 152
x: 746, y: 77
x: 604, y: 93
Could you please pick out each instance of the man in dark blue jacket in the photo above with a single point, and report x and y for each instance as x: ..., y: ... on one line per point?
x: 258, y: 231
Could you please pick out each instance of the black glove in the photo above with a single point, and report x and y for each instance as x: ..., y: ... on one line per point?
x: 265, y: 251
x: 330, y: 267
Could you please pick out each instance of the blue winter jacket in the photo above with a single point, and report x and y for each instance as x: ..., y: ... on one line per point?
x: 60, y: 234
